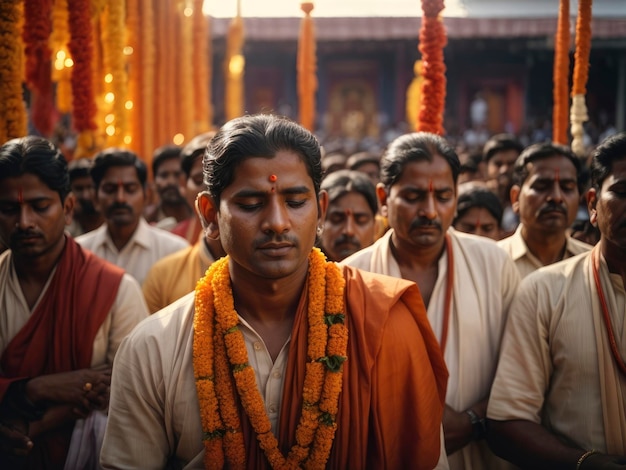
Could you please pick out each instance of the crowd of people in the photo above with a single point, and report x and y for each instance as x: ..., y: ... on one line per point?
x: 282, y: 305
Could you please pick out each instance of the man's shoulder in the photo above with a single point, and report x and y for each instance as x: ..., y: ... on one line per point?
x: 164, y: 235
x: 475, y: 246
x: 176, y: 259
x: 361, y: 259
x: 560, y: 271
x: 577, y: 247
x: 90, y: 238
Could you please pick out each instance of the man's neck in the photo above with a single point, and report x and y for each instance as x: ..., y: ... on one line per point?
x: 416, y: 258
x: 615, y: 257
x: 548, y: 248
x: 89, y: 222
x: 179, y: 210
x: 121, y: 234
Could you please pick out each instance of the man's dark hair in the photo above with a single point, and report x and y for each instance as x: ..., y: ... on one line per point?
x: 610, y: 150
x: 113, y: 157
x: 478, y: 196
x: 194, y: 149
x: 261, y: 135
x: 541, y: 151
x: 342, y: 182
x: 37, y: 156
x: 501, y: 143
x: 80, y: 168
x: 356, y: 160
x: 162, y: 154
x: 416, y: 147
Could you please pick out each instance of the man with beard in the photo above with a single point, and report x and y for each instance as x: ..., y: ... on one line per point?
x: 86, y: 217
x: 545, y: 195
x: 499, y: 154
x: 466, y: 281
x: 126, y: 239
x: 350, y: 219
x: 64, y: 313
x: 559, y: 397
x: 172, y: 207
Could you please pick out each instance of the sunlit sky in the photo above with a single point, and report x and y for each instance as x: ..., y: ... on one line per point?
x: 287, y: 8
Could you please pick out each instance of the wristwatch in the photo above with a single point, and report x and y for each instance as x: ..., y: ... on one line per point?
x: 479, y: 425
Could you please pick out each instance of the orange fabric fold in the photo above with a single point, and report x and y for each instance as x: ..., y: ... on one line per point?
x: 394, y: 382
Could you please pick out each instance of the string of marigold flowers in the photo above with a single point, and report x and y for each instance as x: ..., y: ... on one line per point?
x: 215, y: 305
x: 578, y: 111
x: 560, y: 113
x: 432, y: 41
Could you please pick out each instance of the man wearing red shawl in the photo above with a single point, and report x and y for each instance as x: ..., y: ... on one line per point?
x: 280, y: 358
x: 64, y: 313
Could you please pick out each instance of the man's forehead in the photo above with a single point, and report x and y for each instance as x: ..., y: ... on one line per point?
x: 124, y: 174
x: 557, y: 165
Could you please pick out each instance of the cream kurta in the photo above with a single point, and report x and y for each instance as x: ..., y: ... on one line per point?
x: 147, y: 245
x: 552, y: 368
x: 525, y: 261
x: 127, y: 310
x: 485, y: 280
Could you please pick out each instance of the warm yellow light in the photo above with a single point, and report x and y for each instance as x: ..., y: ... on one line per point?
x: 109, y: 97
x: 236, y: 64
x: 61, y: 55
x: 110, y: 130
x: 128, y: 104
x: 108, y: 78
x: 128, y: 139
x: 128, y: 50
x: 178, y: 139
x: 68, y: 62
x: 188, y: 11
x: 109, y: 118
x: 58, y: 64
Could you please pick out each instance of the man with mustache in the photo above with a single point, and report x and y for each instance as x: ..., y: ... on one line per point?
x: 126, y: 239
x: 169, y: 181
x: 559, y: 397
x: 466, y: 281
x: 351, y: 216
x: 86, y: 217
x: 63, y: 314
x: 545, y: 195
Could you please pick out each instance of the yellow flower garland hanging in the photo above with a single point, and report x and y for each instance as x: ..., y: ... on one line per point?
x: 219, y: 350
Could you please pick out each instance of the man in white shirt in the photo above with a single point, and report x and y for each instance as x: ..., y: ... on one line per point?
x: 126, y: 239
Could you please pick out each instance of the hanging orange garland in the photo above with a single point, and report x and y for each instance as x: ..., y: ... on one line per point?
x: 306, y: 66
x: 148, y: 63
x: 83, y: 101
x: 116, y: 66
x: 185, y: 85
x: 12, y: 107
x: 38, y: 14
x: 234, y: 65
x: 578, y: 112
x: 432, y: 41
x: 560, y: 113
x: 61, y: 73
x: 203, y: 112
x: 134, y: 76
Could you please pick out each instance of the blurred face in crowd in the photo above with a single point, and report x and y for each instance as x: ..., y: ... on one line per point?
x: 195, y: 182
x: 607, y: 209
x: 478, y: 221
x: 120, y: 196
x: 499, y: 171
x: 547, y: 201
x: 85, y: 193
x: 421, y: 205
x: 169, y: 181
x: 349, y: 226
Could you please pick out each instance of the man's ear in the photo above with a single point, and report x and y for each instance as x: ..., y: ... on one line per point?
x: 514, y: 196
x: 322, y: 204
x: 207, y: 212
x: 381, y: 194
x: 68, y: 208
x: 592, y: 200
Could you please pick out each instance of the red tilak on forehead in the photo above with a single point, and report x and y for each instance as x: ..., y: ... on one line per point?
x: 20, y: 196
x: 120, y: 183
x: 348, y: 211
x: 431, y: 188
x: 556, y: 175
x: 477, y: 223
x: 273, y: 178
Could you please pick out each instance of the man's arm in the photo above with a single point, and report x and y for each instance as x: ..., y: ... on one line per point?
x: 458, y: 428
x: 530, y: 445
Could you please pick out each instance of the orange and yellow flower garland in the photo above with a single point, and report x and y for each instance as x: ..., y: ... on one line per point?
x: 12, y: 108
x: 306, y: 67
x: 203, y: 112
x: 578, y: 111
x: 560, y: 113
x: 432, y: 41
x: 219, y: 350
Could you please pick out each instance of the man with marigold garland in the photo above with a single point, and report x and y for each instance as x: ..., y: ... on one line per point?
x: 274, y: 362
